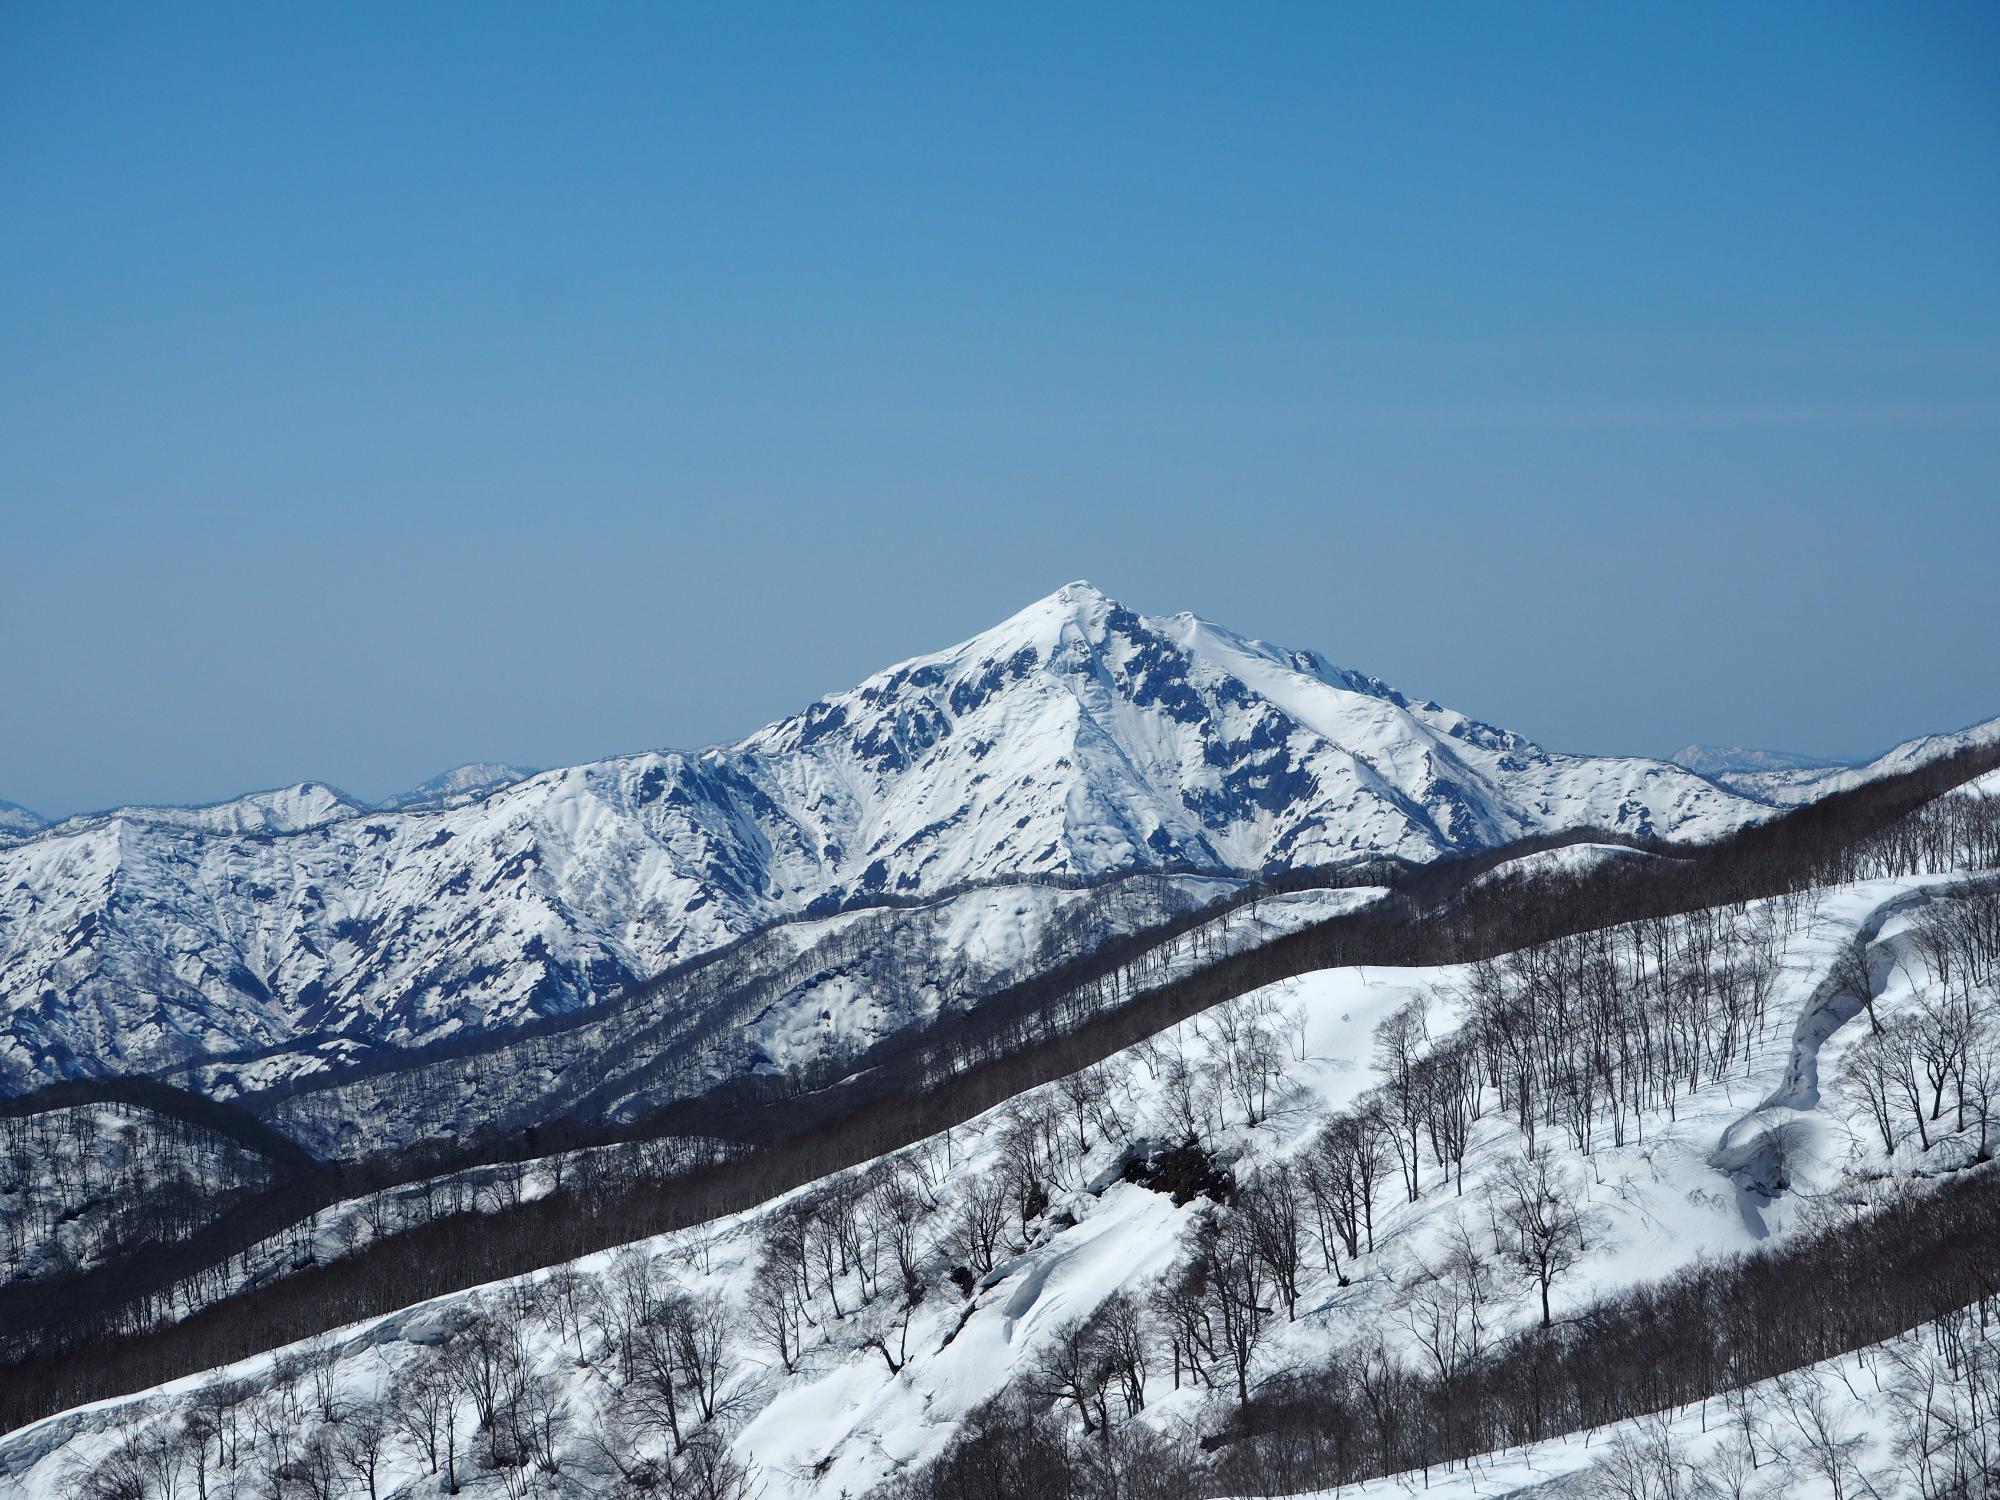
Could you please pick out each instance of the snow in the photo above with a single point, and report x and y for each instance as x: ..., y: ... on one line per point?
x: 1715, y: 760
x: 1796, y: 786
x: 1982, y: 786
x: 1669, y: 1194
x: 1074, y: 740
x: 461, y: 784
x: 1700, y: 1438
x: 1569, y: 859
x: 17, y: 823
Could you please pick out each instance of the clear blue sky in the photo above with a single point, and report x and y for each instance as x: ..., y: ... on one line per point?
x: 385, y: 387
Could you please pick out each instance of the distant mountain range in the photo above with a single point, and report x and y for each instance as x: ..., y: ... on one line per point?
x: 283, y: 809
x: 1786, y: 780
x: 1075, y: 740
x: 1723, y: 760
x: 459, y: 785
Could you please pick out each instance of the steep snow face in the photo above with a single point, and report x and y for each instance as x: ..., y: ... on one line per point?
x: 1076, y: 739
x: 1080, y: 737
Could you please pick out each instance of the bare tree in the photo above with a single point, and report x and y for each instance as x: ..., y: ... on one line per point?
x: 1450, y: 1307
x: 423, y: 1405
x: 1119, y: 1325
x: 1237, y: 1288
x: 1268, y: 1204
x: 702, y: 1347
x: 1644, y: 1463
x: 540, y: 1413
x: 1870, y: 1073
x: 773, y: 1307
x: 979, y: 1222
x: 1399, y: 1042
x: 1826, y: 1445
x: 1068, y: 1366
x: 359, y: 1441
x: 1537, y: 1222
x: 1853, y: 970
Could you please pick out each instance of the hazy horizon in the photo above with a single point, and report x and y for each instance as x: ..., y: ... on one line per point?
x: 383, y: 793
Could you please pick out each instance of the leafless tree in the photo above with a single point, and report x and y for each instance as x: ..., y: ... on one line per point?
x: 1537, y: 1221
x: 773, y: 1309
x: 1268, y: 1205
x: 1450, y: 1307
x: 1119, y: 1328
x: 1068, y: 1366
x: 1825, y: 1444
x: 359, y: 1442
x: 980, y: 1220
x: 1399, y: 1042
x: 1853, y: 971
x: 423, y: 1406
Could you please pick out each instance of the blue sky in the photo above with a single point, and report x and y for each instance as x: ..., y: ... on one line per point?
x: 386, y: 387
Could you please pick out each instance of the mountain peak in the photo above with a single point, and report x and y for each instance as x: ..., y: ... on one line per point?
x: 18, y: 822
x: 466, y: 783
x: 1074, y: 739
x: 1078, y: 601
x: 1081, y: 591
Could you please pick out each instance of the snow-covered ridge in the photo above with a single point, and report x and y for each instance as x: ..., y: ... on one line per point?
x: 1722, y: 760
x: 1075, y: 739
x: 1794, y: 786
x: 285, y: 809
x: 460, y: 784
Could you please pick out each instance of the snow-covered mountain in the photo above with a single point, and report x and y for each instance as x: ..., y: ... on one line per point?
x: 17, y: 822
x: 460, y: 784
x: 285, y: 809
x: 1722, y: 760
x: 1794, y: 786
x: 1076, y: 739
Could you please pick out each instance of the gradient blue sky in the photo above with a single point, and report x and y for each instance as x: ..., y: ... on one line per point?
x: 385, y: 387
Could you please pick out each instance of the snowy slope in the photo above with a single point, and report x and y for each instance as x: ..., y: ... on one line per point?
x: 285, y: 809
x: 840, y: 1420
x: 1074, y: 740
x: 1827, y: 1432
x: 1569, y: 859
x: 801, y: 995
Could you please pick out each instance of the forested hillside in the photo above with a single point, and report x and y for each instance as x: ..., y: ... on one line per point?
x: 1403, y: 1176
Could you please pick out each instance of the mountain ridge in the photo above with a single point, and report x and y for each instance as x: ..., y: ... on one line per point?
x: 1714, y: 760
x: 1074, y: 739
